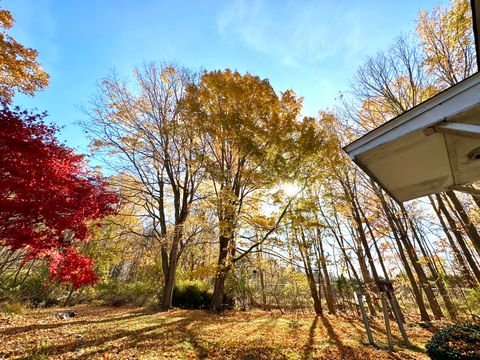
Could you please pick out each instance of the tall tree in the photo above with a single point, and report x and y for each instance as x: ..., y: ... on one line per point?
x: 252, y: 136
x: 446, y: 36
x: 152, y: 143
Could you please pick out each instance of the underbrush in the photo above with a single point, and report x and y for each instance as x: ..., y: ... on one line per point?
x: 186, y: 294
x: 31, y: 289
x: 15, y: 308
x: 191, y: 295
x: 115, y: 293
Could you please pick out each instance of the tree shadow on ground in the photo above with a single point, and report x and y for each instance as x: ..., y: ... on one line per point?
x: 334, y: 338
x: 22, y: 329
x: 307, y: 351
x: 382, y: 345
x: 133, y: 336
x: 187, y: 330
x: 161, y: 337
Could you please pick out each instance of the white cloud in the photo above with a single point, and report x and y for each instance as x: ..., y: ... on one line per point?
x: 293, y: 32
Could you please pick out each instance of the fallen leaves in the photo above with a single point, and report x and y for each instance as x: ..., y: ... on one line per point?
x: 130, y: 333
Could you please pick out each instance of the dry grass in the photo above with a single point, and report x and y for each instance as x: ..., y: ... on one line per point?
x: 131, y: 333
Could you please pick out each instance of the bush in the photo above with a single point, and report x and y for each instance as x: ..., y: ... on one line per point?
x: 191, y: 295
x: 459, y: 342
x: 115, y: 293
x: 34, y: 290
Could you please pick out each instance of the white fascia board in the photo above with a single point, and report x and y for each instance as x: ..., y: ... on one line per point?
x: 447, y: 103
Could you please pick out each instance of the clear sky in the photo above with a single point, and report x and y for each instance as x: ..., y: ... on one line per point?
x: 313, y: 47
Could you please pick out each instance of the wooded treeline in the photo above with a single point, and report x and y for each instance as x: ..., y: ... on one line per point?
x: 229, y: 189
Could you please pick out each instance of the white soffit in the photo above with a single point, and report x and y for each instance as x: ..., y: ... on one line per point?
x: 427, y: 149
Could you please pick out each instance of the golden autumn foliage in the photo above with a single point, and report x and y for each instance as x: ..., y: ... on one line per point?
x: 447, y: 38
x: 20, y: 70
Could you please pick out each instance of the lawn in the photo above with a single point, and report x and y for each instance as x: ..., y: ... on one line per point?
x: 131, y: 333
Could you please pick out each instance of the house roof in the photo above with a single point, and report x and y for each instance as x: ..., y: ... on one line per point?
x: 427, y: 149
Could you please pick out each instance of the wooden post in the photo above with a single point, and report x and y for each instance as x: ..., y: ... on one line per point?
x: 387, y: 322
x: 396, y: 312
x: 365, y: 318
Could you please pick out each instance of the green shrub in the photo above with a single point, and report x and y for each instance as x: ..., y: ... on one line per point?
x: 459, y: 342
x: 191, y: 295
x: 36, y: 292
x: 33, y: 290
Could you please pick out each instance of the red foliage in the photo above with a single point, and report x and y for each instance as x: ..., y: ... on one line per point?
x: 47, y: 195
x: 72, y: 266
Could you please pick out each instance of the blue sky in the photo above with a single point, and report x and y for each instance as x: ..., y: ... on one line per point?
x: 313, y: 47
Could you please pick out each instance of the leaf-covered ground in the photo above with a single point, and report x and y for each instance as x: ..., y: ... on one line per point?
x: 128, y: 333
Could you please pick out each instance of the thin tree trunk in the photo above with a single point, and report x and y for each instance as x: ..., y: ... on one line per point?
x: 262, y: 281
x: 466, y: 222
x: 391, y: 296
x: 458, y: 235
x: 433, y: 270
x: 326, y: 277
x: 458, y: 256
x: 416, y: 290
x: 304, y: 254
x: 422, y: 277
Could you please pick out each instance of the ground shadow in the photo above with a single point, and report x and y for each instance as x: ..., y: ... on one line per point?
x: 334, y: 339
x: 133, y: 336
x: 307, y: 351
x: 22, y: 329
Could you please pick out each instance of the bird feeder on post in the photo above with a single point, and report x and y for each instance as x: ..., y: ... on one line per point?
x: 385, y: 288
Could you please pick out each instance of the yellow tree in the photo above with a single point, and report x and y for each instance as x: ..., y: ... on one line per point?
x: 19, y: 68
x: 252, y: 139
x: 153, y: 145
x: 448, y: 43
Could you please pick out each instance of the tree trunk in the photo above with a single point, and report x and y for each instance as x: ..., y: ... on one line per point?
x: 422, y: 277
x: 317, y: 302
x: 261, y: 274
x: 458, y: 235
x: 223, y: 267
x: 368, y: 281
x: 169, y: 284
x: 304, y: 248
x: 169, y: 265
x: 465, y: 271
x: 466, y: 222
x: 326, y: 277
x: 433, y: 270
x: 396, y: 233
x: 391, y: 296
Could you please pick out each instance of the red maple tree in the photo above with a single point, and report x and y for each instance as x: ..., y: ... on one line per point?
x: 48, y: 196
